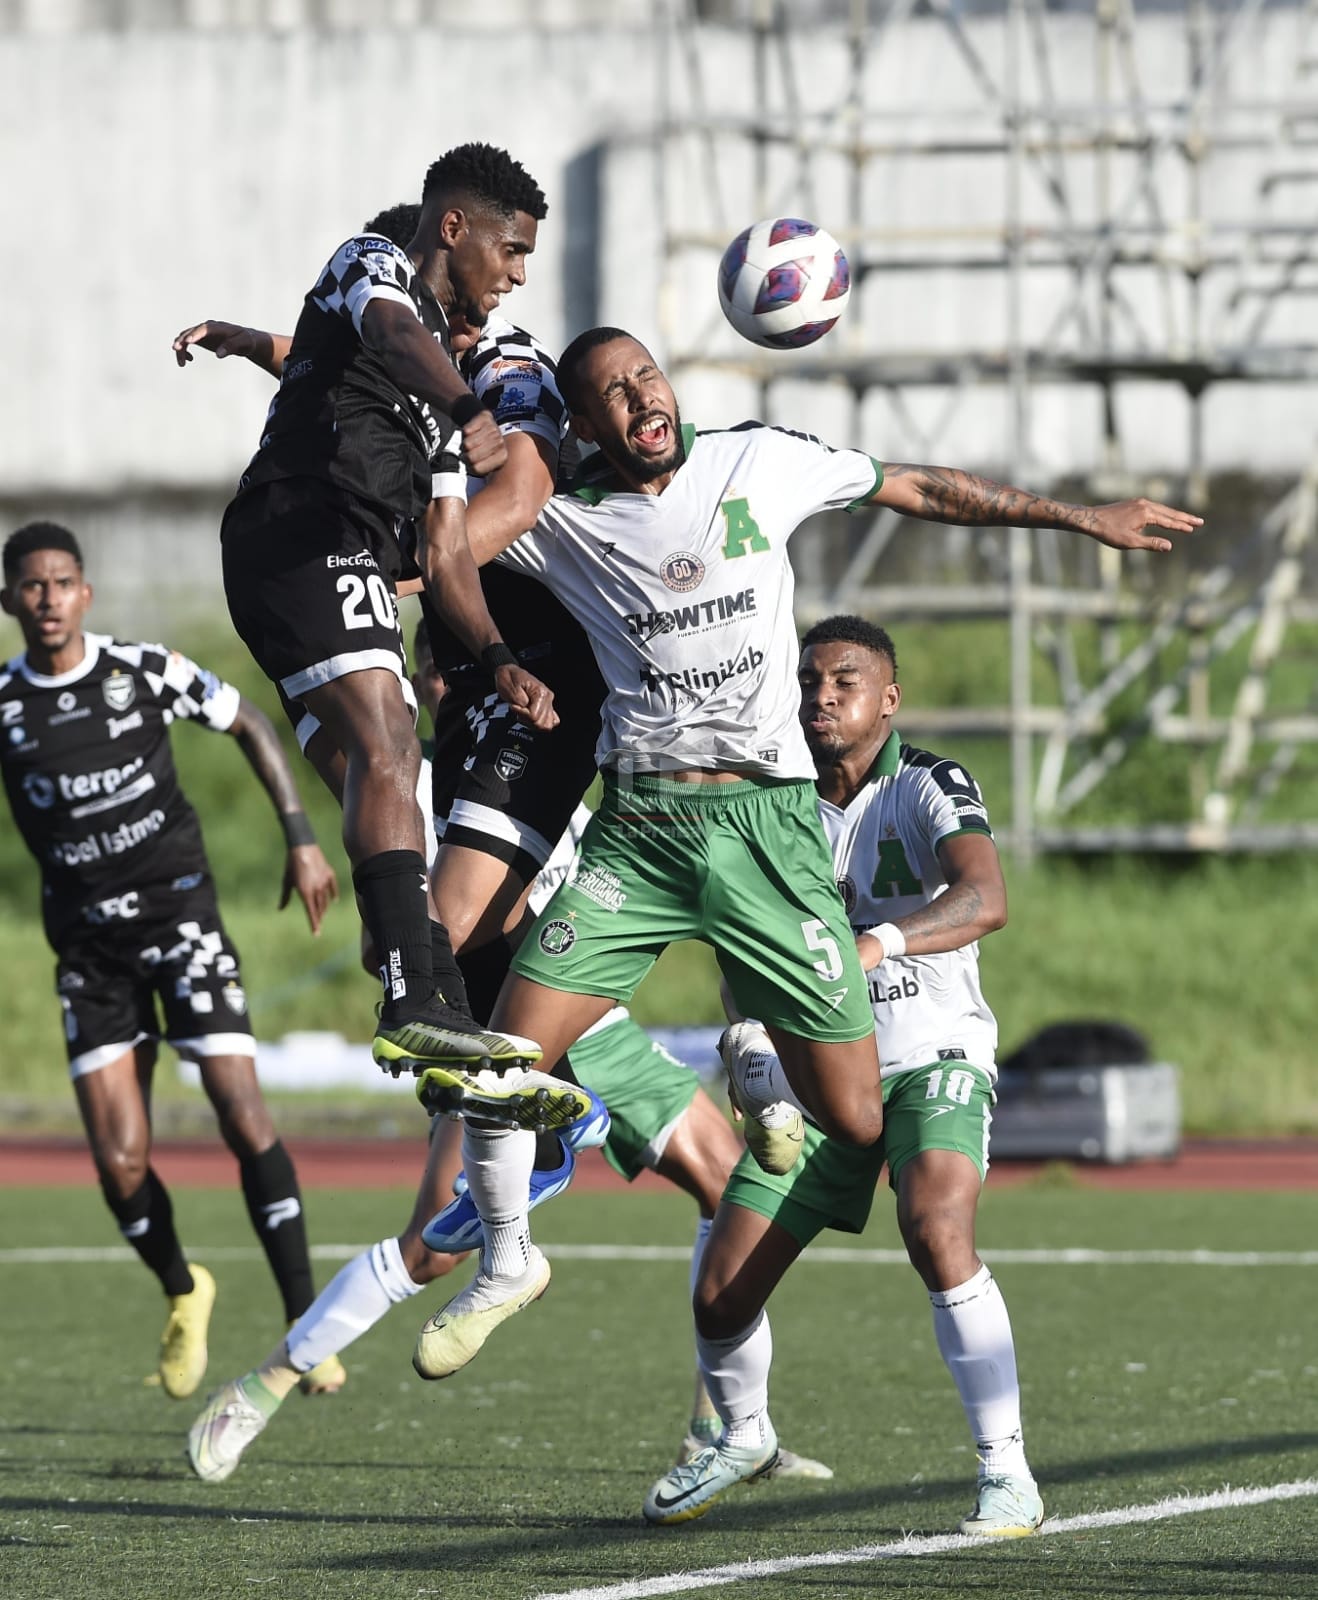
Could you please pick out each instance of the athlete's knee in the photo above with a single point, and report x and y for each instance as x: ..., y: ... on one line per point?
x: 940, y: 1242
x: 856, y: 1120
x: 121, y: 1167
x: 724, y: 1306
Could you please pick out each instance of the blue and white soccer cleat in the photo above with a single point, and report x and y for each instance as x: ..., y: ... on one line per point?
x: 689, y: 1489
x: 591, y: 1128
x: 458, y: 1226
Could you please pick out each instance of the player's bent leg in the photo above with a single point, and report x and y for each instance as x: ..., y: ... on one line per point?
x: 475, y: 894
x: 837, y: 1082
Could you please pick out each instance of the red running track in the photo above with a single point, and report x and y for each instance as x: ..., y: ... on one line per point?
x: 1224, y: 1164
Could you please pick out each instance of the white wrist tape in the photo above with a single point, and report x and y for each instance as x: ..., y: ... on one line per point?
x: 891, y: 937
x: 448, y: 486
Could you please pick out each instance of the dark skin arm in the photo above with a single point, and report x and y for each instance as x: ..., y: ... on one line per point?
x: 973, y: 904
x: 306, y: 870
x: 265, y: 350
x: 945, y: 494
x: 454, y: 587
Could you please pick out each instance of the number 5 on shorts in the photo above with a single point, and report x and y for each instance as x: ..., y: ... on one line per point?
x: 817, y: 937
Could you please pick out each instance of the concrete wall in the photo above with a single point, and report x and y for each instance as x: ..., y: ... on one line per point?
x: 152, y: 174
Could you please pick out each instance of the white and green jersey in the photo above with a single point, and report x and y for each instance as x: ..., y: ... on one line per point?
x: 885, y: 853
x: 687, y: 596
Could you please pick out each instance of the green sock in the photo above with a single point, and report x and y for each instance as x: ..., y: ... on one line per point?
x: 266, y: 1401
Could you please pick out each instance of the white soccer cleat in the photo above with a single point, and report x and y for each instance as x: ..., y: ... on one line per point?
x: 774, y: 1129
x: 217, y: 1439
x: 456, y: 1332
x: 1005, y: 1508
x: 790, y: 1465
x: 688, y: 1490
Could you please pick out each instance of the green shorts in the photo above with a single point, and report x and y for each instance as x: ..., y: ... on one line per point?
x: 743, y: 867
x: 943, y: 1106
x: 646, y: 1089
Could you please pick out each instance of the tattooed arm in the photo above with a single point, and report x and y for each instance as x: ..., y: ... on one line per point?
x: 944, y: 494
x: 973, y: 904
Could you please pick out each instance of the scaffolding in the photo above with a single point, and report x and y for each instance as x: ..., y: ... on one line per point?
x: 1114, y: 263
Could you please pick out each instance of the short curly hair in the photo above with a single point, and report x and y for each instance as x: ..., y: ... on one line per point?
x: 33, y: 536
x: 846, y: 629
x: 572, y: 358
x: 398, y: 224
x: 487, y: 175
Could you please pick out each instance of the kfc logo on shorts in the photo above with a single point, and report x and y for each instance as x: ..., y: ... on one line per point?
x: 557, y: 938
x: 119, y: 691
x: 682, y: 572
x: 510, y: 764
x: 847, y: 889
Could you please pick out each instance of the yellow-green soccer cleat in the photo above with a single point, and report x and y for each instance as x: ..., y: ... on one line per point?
x: 1005, y: 1508
x: 326, y: 1377
x: 443, y: 1037
x: 456, y: 1332
x: 687, y: 1490
x: 183, y: 1343
x: 530, y: 1100
x: 774, y: 1130
x: 217, y: 1439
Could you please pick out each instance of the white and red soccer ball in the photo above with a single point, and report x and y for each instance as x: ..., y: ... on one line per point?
x: 783, y: 283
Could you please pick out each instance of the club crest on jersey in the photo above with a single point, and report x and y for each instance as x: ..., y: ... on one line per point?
x: 119, y: 690
x: 847, y: 889
x: 682, y: 571
x: 557, y: 938
x: 510, y: 764
x: 235, y: 998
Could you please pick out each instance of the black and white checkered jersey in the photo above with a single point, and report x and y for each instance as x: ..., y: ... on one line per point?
x: 87, y: 766
x: 515, y: 378
x: 338, y: 415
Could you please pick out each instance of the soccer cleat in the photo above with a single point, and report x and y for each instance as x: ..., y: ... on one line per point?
x: 326, y: 1377
x: 774, y: 1129
x: 442, y: 1036
x: 1005, y: 1508
x: 590, y: 1129
x: 688, y: 1490
x: 790, y: 1465
x: 183, y: 1343
x: 217, y: 1439
x: 456, y: 1332
x: 458, y: 1226
x: 529, y: 1100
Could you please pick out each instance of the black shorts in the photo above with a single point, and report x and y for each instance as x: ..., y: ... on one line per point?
x: 309, y: 577
x: 507, y: 790
x: 165, y: 951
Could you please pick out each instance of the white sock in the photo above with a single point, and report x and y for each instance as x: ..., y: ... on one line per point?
x: 698, y: 1249
x: 498, y: 1163
x: 770, y: 1085
x: 736, y: 1374
x: 973, y: 1332
x: 354, y: 1299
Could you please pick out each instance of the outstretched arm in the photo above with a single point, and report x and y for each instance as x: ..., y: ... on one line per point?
x: 306, y: 869
x: 265, y: 350
x: 454, y: 587
x: 973, y: 904
x: 944, y: 494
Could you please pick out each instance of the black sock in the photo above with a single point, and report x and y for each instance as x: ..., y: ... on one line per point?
x: 484, y: 970
x: 446, y: 973
x: 274, y: 1203
x: 146, y: 1220
x: 392, y: 887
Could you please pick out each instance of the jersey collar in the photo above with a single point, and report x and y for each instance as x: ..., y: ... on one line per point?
x: 888, y: 759
x: 592, y: 484
x: 91, y: 645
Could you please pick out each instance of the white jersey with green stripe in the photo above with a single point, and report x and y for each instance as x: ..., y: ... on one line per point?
x: 687, y: 596
x: 885, y: 854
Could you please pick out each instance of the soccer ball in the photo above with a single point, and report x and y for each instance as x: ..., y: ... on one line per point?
x: 783, y: 283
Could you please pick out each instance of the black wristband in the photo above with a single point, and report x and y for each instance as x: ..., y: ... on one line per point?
x: 498, y: 655
x: 297, y: 829
x: 464, y: 408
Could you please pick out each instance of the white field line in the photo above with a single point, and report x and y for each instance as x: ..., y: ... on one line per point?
x: 820, y: 1255
x: 940, y: 1544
